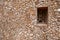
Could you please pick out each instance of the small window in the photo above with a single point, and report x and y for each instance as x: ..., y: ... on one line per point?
x: 42, y: 15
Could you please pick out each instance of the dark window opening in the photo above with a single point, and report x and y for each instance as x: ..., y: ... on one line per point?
x: 42, y: 15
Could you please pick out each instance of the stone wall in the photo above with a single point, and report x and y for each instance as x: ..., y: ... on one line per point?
x: 18, y: 20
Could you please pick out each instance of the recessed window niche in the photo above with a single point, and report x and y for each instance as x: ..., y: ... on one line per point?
x: 42, y: 15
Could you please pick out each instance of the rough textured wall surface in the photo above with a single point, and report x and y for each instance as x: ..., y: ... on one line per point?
x: 18, y: 20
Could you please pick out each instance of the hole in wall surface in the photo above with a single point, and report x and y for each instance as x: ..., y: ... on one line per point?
x: 42, y: 15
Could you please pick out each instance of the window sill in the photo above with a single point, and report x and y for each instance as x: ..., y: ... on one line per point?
x: 41, y: 24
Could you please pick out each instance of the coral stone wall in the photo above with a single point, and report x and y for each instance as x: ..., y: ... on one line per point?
x: 18, y: 20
